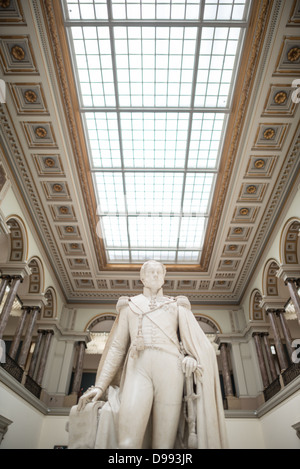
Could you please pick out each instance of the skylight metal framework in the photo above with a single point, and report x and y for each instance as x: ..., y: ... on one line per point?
x: 155, y: 82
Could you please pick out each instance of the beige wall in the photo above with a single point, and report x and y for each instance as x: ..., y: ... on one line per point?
x: 33, y: 430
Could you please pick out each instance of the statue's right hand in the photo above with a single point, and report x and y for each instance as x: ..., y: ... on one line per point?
x: 92, y: 394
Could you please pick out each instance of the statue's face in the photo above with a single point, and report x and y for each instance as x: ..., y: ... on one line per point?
x: 154, y: 277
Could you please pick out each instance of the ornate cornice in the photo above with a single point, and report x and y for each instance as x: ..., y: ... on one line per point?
x: 249, y: 63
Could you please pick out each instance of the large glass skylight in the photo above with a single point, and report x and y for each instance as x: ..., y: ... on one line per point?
x: 155, y: 81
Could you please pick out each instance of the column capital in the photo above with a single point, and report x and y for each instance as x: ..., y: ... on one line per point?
x: 294, y: 280
x: 270, y: 303
x: 276, y: 311
x: 15, y: 269
x: 33, y: 301
x: 260, y: 333
x: 26, y: 308
x: 288, y: 272
x: 82, y: 342
x: 5, y: 277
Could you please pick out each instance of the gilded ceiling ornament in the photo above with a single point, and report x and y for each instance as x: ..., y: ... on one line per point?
x: 79, y: 261
x: 232, y: 247
x: 50, y: 162
x: 57, y: 187
x: 18, y: 53
x: 30, y: 96
x: 63, y: 210
x: 4, y: 3
x: 238, y: 230
x: 41, y: 132
x: 269, y: 133
x: 74, y: 246
x: 259, y: 164
x: 293, y: 54
x: 280, y: 97
x: 244, y: 211
x: 251, y: 189
x: 70, y: 229
x: 228, y: 262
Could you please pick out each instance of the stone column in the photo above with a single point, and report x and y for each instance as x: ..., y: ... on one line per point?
x: 36, y: 352
x: 79, y: 368
x: 44, y: 356
x: 226, y: 370
x: 269, y: 356
x: 261, y: 359
x: 16, y: 280
x: 4, y: 284
x: 18, y: 334
x: 286, y: 332
x: 293, y: 285
x: 283, y: 363
x: 28, y: 337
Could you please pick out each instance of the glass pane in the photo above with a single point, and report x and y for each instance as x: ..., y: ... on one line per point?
x: 115, y: 231
x: 110, y: 193
x: 192, y: 232
x: 163, y: 256
x: 151, y: 9
x: 198, y: 190
x: 146, y: 60
x: 206, y: 136
x: 218, y: 49
x: 118, y: 256
x: 153, y: 232
x: 188, y: 256
x: 155, y: 140
x: 103, y: 139
x: 154, y: 192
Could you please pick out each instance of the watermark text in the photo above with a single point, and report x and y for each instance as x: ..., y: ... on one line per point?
x: 296, y: 353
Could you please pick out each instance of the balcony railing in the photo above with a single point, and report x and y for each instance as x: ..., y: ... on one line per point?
x: 18, y: 373
x: 287, y: 375
x: 13, y: 368
x: 291, y: 373
x: 272, y: 389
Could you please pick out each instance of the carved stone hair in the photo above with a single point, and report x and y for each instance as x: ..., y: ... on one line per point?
x: 146, y: 264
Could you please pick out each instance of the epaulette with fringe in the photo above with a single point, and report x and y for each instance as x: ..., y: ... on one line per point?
x: 122, y: 302
x: 183, y: 301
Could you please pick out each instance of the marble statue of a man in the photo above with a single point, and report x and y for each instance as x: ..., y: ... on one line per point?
x: 170, y: 382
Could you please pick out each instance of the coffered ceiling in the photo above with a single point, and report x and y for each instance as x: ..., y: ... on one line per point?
x: 44, y: 145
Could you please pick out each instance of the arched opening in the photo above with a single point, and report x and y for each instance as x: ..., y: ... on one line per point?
x: 99, y: 329
x: 256, y: 312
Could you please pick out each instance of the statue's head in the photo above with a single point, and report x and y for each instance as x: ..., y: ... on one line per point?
x: 152, y: 274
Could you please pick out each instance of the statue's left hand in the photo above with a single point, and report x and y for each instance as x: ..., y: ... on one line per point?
x: 91, y: 395
x: 189, y: 365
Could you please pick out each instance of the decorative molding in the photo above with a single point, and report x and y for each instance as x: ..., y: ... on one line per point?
x: 4, y: 424
x: 296, y: 427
